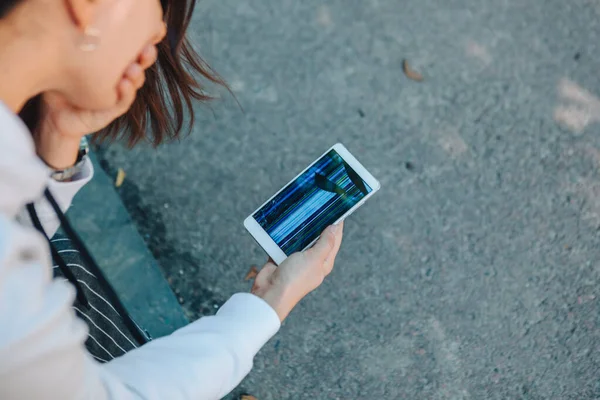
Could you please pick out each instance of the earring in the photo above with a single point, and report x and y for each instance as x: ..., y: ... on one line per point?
x: 90, y: 40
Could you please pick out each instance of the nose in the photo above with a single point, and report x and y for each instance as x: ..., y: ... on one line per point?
x: 160, y: 35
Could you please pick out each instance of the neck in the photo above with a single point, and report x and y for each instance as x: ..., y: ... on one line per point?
x: 21, y: 55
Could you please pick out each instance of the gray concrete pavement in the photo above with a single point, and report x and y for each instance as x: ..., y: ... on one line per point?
x: 474, y: 273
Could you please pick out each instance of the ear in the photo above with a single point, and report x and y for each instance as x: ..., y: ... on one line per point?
x: 82, y: 12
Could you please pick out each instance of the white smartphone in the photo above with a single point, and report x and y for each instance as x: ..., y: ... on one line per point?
x: 325, y: 193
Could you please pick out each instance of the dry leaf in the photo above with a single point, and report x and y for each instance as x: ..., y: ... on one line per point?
x: 247, y: 397
x: 411, y: 73
x: 252, y: 272
x: 120, y: 177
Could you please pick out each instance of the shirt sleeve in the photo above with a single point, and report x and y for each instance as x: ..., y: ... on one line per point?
x: 204, y: 360
x: 42, y: 352
x: 63, y: 192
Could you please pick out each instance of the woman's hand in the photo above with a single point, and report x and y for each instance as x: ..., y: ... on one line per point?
x: 63, y: 125
x: 301, y: 273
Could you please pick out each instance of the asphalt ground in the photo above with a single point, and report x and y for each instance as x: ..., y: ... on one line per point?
x: 474, y: 273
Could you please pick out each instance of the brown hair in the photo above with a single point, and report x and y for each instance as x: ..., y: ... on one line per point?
x: 157, y: 114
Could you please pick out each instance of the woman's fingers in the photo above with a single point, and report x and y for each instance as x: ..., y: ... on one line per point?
x: 148, y: 56
x: 323, y: 248
x: 96, y: 120
x: 135, y: 73
x: 73, y: 119
x: 133, y: 79
x: 127, y: 93
x: 330, y: 261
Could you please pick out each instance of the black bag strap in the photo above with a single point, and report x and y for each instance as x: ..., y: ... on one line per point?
x: 56, y: 257
x: 87, y: 258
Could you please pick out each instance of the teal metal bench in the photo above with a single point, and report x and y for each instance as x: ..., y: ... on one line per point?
x: 107, y: 229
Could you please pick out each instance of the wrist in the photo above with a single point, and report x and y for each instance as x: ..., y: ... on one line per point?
x: 279, y: 298
x: 57, y: 151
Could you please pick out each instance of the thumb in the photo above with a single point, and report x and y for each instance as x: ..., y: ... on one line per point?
x: 324, y: 246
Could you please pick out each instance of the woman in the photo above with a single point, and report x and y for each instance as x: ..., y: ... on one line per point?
x: 70, y: 68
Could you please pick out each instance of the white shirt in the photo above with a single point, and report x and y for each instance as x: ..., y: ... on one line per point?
x: 42, y: 352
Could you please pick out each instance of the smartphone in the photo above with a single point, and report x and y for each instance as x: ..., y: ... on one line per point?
x: 325, y: 193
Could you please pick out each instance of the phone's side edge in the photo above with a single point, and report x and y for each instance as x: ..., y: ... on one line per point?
x: 263, y: 239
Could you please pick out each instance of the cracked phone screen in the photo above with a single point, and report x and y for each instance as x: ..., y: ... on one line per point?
x: 321, y: 195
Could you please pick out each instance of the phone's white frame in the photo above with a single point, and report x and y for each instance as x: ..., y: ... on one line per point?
x: 263, y: 238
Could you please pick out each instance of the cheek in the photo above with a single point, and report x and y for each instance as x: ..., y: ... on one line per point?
x: 133, y: 28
